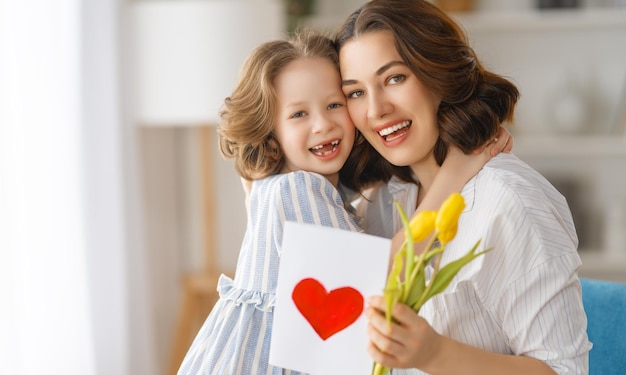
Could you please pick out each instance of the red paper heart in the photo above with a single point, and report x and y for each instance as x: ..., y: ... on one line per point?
x: 328, y: 313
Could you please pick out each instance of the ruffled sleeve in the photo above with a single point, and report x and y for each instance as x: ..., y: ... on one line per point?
x: 229, y: 292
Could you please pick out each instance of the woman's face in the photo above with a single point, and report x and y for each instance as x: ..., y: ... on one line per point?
x: 396, y: 113
x: 312, y: 123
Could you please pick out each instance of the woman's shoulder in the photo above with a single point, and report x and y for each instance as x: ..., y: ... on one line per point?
x: 520, y: 201
x: 514, y: 186
x: 511, y: 175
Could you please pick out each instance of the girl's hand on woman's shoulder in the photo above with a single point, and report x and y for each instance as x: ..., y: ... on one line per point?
x: 464, y: 167
x: 503, y: 142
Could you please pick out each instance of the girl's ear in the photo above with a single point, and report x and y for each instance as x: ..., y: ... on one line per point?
x: 274, y: 151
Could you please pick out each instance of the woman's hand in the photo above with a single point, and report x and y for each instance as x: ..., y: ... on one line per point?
x: 410, y: 342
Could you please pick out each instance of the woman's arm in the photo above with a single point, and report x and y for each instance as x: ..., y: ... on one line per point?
x: 412, y: 343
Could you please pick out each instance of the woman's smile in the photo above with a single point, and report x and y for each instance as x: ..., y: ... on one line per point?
x: 394, y: 132
x: 389, y: 105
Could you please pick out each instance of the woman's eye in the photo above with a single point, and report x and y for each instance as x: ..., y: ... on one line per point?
x: 354, y: 94
x: 298, y: 114
x: 396, y: 79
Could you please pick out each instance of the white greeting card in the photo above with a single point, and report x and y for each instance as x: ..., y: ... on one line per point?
x: 325, y: 275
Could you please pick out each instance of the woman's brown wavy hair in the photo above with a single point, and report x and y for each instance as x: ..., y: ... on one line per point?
x: 475, y: 102
x: 246, y: 129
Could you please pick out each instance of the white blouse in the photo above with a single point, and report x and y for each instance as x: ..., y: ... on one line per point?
x: 524, y: 296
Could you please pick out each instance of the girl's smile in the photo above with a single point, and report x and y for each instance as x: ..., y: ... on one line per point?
x: 313, y: 126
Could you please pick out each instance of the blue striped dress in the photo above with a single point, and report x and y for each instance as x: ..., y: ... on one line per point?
x: 235, y: 338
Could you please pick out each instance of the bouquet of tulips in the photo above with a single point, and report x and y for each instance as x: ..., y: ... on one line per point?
x: 413, y: 290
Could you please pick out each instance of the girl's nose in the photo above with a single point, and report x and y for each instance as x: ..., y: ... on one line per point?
x: 322, y: 124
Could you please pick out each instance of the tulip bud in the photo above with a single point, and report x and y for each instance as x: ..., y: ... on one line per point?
x: 422, y: 225
x: 448, y: 217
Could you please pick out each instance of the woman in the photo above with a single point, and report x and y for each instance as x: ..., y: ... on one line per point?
x: 416, y: 90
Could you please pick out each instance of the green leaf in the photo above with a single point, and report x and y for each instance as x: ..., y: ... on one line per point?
x: 445, y: 275
x: 416, y: 288
x: 408, y: 240
x: 430, y: 254
x: 393, y: 289
x: 391, y: 298
x: 394, y: 275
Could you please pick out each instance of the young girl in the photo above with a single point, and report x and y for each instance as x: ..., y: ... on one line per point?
x: 287, y: 127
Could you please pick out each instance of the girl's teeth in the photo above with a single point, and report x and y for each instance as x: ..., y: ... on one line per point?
x: 394, y: 128
x: 330, y: 147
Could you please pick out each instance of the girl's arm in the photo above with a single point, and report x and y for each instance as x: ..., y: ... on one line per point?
x: 412, y: 343
x: 454, y: 173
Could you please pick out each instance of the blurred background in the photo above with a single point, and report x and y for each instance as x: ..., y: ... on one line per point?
x: 117, y: 212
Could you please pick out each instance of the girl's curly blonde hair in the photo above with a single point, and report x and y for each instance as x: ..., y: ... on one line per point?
x: 246, y: 129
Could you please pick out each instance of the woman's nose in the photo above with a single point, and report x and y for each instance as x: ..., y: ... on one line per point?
x: 378, y: 105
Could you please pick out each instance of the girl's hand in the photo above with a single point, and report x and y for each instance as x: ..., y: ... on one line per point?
x: 503, y: 142
x: 410, y: 342
x: 460, y: 167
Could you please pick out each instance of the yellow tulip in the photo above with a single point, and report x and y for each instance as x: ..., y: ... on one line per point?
x: 414, y: 290
x: 448, y: 217
x: 448, y: 235
x: 422, y: 225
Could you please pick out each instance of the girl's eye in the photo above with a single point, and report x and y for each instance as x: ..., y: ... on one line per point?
x: 354, y: 94
x: 335, y: 105
x: 298, y: 114
x: 396, y: 79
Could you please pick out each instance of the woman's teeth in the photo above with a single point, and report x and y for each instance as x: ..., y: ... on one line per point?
x: 392, y: 129
x: 325, y: 149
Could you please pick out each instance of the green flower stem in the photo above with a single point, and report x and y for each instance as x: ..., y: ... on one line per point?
x: 410, y: 249
x: 422, y: 300
x: 379, y: 369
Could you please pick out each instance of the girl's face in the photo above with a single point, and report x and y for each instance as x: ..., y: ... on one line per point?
x: 396, y: 113
x: 312, y: 125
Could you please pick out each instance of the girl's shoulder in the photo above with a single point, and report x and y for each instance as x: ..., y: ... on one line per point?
x: 293, y: 182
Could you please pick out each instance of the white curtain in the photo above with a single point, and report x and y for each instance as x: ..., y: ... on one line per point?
x: 67, y: 304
